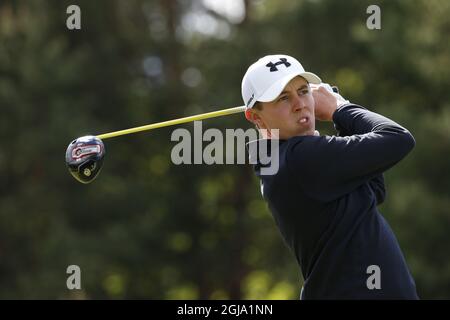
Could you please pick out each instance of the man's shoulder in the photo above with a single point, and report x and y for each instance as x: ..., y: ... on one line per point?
x: 306, y: 146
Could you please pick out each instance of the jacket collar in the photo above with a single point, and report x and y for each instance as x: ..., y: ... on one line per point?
x: 259, y: 151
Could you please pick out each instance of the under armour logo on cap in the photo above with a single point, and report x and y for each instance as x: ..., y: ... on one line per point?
x: 273, y: 66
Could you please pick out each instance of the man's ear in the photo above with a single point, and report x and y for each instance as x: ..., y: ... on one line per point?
x: 252, y: 116
x: 248, y: 115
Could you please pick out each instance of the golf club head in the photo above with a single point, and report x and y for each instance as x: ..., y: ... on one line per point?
x: 84, y: 158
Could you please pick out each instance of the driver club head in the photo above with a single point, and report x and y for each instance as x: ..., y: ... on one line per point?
x: 84, y: 158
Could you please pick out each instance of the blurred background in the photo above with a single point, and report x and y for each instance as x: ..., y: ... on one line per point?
x: 149, y: 229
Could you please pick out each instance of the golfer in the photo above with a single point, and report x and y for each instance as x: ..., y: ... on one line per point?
x: 325, y: 193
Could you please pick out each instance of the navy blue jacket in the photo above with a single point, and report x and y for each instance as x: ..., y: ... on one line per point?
x: 324, y: 201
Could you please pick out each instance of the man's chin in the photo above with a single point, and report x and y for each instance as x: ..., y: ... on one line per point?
x: 309, y: 132
x: 300, y: 134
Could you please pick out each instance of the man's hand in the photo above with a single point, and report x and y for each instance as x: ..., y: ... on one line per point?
x: 326, y: 102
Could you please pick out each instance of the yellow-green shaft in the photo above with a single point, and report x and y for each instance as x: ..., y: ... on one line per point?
x: 202, y: 116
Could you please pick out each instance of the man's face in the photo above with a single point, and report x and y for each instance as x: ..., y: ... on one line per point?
x: 292, y: 112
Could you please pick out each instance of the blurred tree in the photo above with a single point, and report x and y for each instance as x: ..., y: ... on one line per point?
x: 147, y: 228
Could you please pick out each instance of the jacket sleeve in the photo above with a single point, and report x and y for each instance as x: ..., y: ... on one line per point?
x: 327, y: 167
x: 376, y: 184
x: 378, y: 188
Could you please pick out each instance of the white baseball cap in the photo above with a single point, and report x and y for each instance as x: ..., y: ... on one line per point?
x: 267, y: 77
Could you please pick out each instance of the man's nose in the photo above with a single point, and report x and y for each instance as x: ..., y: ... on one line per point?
x: 298, y: 103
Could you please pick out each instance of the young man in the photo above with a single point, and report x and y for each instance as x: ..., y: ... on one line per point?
x: 325, y: 193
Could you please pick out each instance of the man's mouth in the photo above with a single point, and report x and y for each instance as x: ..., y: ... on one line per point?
x: 304, y: 120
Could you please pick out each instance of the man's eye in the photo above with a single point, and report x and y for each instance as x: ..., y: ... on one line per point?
x: 283, y: 98
x: 304, y: 91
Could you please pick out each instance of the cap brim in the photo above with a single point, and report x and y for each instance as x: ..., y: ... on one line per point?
x: 275, y: 89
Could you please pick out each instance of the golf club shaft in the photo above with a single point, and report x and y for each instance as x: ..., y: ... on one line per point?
x: 202, y: 116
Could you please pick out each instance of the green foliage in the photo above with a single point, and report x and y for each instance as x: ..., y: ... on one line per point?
x: 147, y: 228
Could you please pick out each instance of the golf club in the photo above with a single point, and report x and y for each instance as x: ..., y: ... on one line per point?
x: 84, y: 155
